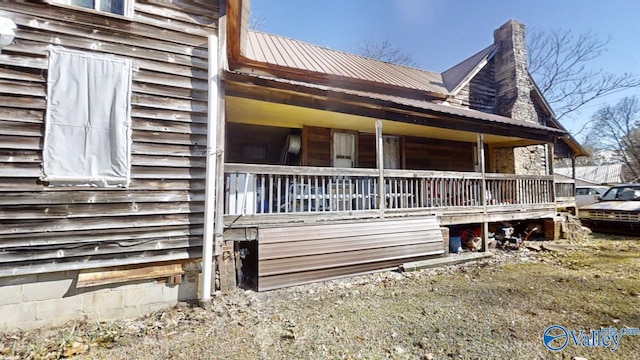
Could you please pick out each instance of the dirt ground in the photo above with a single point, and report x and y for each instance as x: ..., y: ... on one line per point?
x: 497, y: 308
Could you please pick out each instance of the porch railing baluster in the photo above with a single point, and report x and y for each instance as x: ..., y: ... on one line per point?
x: 260, y: 189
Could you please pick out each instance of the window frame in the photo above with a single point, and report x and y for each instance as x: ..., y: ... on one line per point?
x: 128, y: 8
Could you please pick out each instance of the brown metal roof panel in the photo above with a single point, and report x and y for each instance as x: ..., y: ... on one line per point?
x: 323, y: 261
x: 314, y: 57
x: 354, y: 65
x: 346, y: 229
x: 339, y: 244
x: 278, y: 52
x: 262, y: 51
x: 307, y: 62
x: 284, y: 52
x: 332, y: 62
x: 361, y: 66
x: 419, y: 79
x: 250, y: 51
x: 289, y: 55
x: 321, y: 252
x: 293, y: 279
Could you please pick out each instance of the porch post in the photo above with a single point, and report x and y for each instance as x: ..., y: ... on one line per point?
x: 483, y: 191
x: 380, y: 163
x: 549, y: 148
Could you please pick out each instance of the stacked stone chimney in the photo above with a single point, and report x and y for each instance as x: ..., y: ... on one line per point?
x: 513, y: 98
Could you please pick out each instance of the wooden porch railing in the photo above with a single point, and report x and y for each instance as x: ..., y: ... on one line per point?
x: 565, y: 188
x: 265, y: 189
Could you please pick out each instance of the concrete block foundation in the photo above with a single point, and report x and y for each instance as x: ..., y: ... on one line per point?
x: 52, y: 299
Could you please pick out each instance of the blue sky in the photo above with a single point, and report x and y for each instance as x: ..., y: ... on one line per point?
x: 439, y: 34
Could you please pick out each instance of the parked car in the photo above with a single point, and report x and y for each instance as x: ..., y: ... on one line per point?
x: 586, y: 195
x: 618, y: 211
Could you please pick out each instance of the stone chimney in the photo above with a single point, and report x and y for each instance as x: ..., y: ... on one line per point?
x: 513, y: 98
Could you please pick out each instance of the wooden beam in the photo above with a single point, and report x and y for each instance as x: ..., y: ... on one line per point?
x: 118, y: 274
x: 519, y: 143
x: 234, y: 20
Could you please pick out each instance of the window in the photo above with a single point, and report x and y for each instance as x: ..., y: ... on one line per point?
x: 117, y: 7
x: 583, y: 191
x: 87, y: 139
x: 343, y: 150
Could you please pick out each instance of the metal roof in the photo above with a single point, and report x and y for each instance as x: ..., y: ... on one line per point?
x: 600, y: 174
x: 455, y: 75
x: 281, y: 51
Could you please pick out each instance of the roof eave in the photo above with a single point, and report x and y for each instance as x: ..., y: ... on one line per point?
x: 437, y: 115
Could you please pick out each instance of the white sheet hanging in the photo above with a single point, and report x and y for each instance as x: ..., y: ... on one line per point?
x: 391, y: 152
x: 87, y: 138
x: 343, y: 150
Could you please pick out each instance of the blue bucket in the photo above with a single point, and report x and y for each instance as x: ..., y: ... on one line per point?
x: 455, y: 244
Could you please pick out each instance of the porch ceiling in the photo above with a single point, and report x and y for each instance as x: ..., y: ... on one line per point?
x: 257, y: 112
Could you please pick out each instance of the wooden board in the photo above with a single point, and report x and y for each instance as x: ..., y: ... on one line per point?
x: 94, y: 277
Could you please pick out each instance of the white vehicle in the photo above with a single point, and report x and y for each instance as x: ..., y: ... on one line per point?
x: 587, y: 195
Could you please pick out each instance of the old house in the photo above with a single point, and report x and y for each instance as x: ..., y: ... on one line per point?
x: 103, y: 134
x: 153, y: 151
x: 336, y: 164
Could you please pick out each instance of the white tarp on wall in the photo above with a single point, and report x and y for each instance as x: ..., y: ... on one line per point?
x: 87, y: 138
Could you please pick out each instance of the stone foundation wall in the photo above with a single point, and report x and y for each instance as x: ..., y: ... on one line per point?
x: 52, y: 299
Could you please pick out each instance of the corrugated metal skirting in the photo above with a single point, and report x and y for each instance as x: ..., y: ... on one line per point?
x: 294, y: 255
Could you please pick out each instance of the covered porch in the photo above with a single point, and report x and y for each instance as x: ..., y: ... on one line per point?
x: 288, y: 161
x: 366, y: 182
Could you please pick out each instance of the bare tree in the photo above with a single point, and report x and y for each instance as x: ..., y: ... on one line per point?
x: 558, y: 61
x: 384, y: 51
x: 256, y: 22
x: 617, y: 129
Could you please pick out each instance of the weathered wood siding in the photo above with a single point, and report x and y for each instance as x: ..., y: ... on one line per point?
x: 482, y: 89
x: 316, y: 146
x: 366, y: 151
x: 160, y: 216
x: 480, y: 93
x: 434, y: 154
